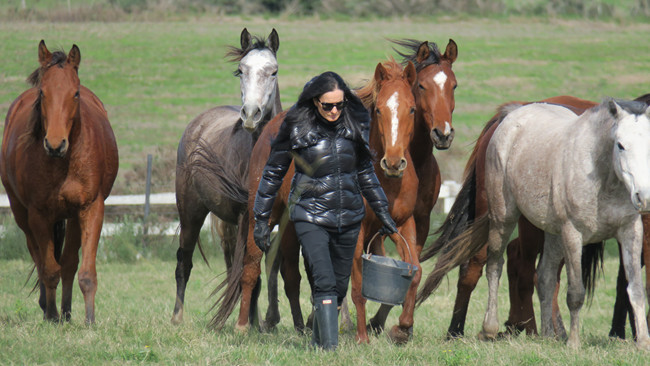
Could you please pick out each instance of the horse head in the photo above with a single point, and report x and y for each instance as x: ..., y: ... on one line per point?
x: 631, y: 149
x: 58, y: 97
x: 394, y: 114
x: 434, y: 92
x: 258, y: 71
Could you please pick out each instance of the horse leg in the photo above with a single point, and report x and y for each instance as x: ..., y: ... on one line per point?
x: 272, y: 261
x: 49, y: 270
x: 546, y: 276
x: 402, y: 332
x: 622, y: 304
x: 631, y: 239
x: 290, y: 248
x: 572, y: 241
x: 90, y: 223
x: 468, y: 276
x: 501, y: 226
x: 556, y: 316
x: 248, y: 282
x: 191, y: 221
x: 346, y: 323
x: 69, y: 263
x: 357, y: 299
x: 645, y: 219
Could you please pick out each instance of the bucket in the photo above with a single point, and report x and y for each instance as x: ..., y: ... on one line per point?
x: 386, y: 280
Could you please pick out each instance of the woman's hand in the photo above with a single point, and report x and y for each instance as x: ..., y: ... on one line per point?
x: 389, y: 225
x: 262, y: 235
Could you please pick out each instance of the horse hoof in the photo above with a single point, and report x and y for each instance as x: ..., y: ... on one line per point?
x: 375, y: 328
x: 177, y: 318
x: 643, y: 345
x: 241, y: 329
x: 398, y: 335
x: 483, y: 336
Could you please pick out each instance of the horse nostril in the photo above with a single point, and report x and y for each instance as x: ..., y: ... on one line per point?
x: 402, y: 164
x: 383, y: 163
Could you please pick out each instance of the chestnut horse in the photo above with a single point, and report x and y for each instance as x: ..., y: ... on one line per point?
x: 391, y: 103
x: 435, y: 103
x: 58, y: 163
x: 213, y: 155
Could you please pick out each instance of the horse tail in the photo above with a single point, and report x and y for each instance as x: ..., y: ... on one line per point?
x: 231, y: 286
x: 592, y: 263
x: 457, y: 251
x: 463, y: 211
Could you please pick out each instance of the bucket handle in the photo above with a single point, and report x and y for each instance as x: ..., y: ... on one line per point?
x: 408, y: 248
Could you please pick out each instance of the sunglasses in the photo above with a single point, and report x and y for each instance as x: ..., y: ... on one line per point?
x: 329, y: 106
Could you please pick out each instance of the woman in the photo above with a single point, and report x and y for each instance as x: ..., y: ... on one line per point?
x: 326, y: 134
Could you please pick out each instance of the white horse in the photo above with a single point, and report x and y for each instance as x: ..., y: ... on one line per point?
x: 581, y: 179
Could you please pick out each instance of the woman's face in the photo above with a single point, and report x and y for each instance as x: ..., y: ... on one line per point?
x: 330, y: 104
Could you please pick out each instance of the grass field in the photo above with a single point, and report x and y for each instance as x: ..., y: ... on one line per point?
x: 135, y: 301
x: 154, y: 77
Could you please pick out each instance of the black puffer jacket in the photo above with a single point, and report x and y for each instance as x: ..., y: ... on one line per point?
x: 329, y: 177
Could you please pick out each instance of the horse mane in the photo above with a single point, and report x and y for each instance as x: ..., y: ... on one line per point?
x: 236, y: 54
x: 34, y: 126
x: 413, y: 45
x: 368, y: 93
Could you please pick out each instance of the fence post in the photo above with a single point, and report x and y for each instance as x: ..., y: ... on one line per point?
x: 146, y: 198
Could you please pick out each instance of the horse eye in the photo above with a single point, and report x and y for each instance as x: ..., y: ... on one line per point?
x: 412, y: 111
x: 237, y: 73
x: 76, y: 95
x: 455, y: 86
x: 275, y: 73
x: 377, y: 111
x: 620, y: 147
x: 421, y: 87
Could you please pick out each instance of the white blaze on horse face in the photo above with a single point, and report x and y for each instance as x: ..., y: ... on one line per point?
x: 440, y: 79
x: 393, y: 106
x: 632, y: 157
x: 257, y: 82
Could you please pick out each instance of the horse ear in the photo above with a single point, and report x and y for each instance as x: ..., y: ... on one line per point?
x: 613, y: 107
x: 410, y: 73
x: 451, y: 52
x: 44, y: 55
x: 423, y: 52
x: 74, y: 57
x: 245, y: 39
x: 274, y: 41
x: 380, y: 73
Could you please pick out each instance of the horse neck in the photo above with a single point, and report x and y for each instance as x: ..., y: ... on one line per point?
x: 421, y: 147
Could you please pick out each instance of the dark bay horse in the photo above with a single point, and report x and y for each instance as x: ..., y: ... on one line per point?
x: 58, y: 163
x: 213, y: 156
x: 391, y: 103
x: 626, y: 172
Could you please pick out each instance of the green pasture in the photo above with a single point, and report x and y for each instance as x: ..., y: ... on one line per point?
x: 135, y: 300
x: 154, y: 77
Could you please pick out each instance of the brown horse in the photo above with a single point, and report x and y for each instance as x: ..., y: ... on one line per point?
x: 390, y: 100
x: 213, y: 155
x: 435, y: 103
x: 58, y: 164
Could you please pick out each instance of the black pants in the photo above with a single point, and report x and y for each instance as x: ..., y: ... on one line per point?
x: 328, y: 254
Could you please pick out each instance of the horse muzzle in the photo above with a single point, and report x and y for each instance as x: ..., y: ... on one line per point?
x: 58, y: 151
x: 442, y: 140
x: 251, y: 116
x: 393, y: 169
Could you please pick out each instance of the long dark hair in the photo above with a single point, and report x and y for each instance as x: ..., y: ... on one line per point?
x: 303, y: 116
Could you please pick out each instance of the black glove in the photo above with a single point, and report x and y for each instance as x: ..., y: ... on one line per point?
x: 389, y: 225
x: 262, y: 235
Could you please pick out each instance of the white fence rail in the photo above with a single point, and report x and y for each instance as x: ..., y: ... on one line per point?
x: 448, y: 192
